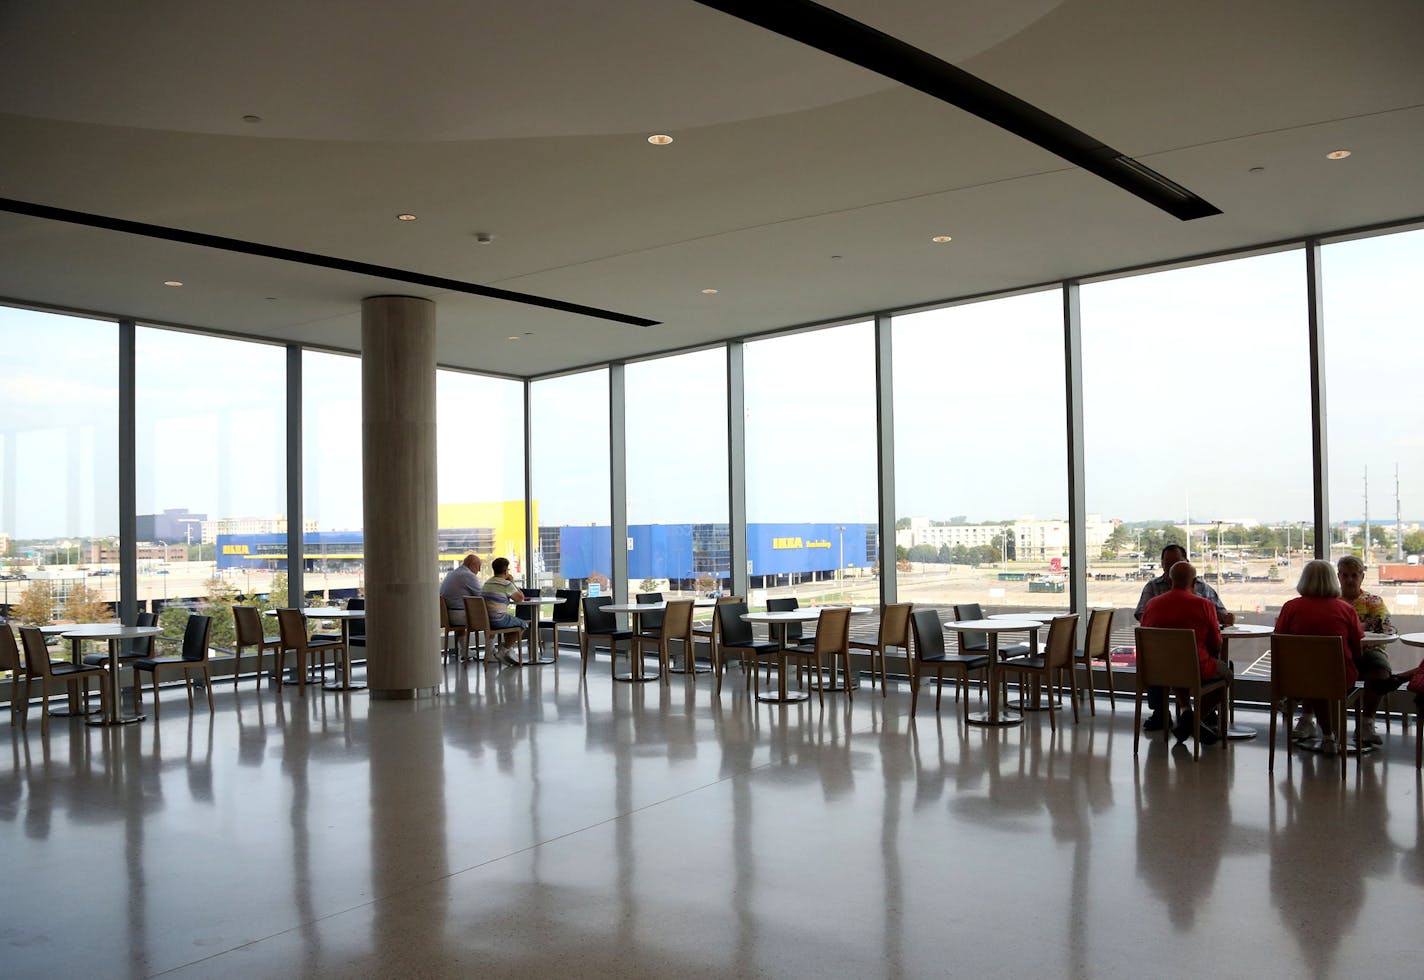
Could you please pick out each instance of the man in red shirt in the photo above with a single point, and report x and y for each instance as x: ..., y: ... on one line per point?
x: 1181, y: 608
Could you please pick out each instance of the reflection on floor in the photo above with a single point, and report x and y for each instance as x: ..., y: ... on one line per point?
x: 529, y: 824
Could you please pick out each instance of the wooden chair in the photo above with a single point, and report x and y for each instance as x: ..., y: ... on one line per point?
x: 894, y: 632
x: 451, y: 632
x: 1309, y: 668
x: 598, y: 624
x: 477, y: 623
x: 38, y: 668
x: 832, y: 639
x: 1049, y: 667
x: 250, y: 633
x: 193, y: 659
x: 293, y: 627
x: 19, y: 677
x: 676, y: 626
x: 709, y: 629
x: 735, y: 636
x: 1098, y: 646
x: 929, y: 654
x: 1167, y: 658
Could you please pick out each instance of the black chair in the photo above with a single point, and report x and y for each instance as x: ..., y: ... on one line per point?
x: 930, y: 655
x: 650, y: 624
x: 192, y: 659
x: 528, y: 615
x: 565, y: 613
x: 792, y: 633
x: 133, y: 650
x: 979, y: 642
x: 599, y: 624
x: 736, y: 636
x: 355, y: 628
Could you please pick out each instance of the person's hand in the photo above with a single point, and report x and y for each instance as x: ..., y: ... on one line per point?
x: 1229, y: 619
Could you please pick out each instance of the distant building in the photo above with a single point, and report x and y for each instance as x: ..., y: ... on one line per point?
x: 4, y: 543
x: 173, y: 526
x: 1033, y: 540
x: 249, y: 525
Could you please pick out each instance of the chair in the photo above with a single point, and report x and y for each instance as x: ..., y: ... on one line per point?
x: 19, y: 677
x: 894, y: 632
x: 248, y: 623
x: 677, y: 625
x: 736, y: 637
x: 979, y: 642
x: 599, y: 624
x: 1309, y: 668
x: 832, y: 640
x: 650, y: 624
x: 293, y: 627
x: 791, y: 634
x: 139, y: 648
x: 1098, y: 646
x: 193, y: 658
x: 39, y: 668
x: 528, y: 615
x: 565, y: 613
x: 450, y: 631
x: 710, y: 630
x: 1168, y: 658
x: 929, y: 654
x: 1050, y: 666
x: 355, y: 628
x: 477, y: 623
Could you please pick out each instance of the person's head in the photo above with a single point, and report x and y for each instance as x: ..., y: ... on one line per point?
x: 1318, y: 579
x: 472, y: 562
x: 1172, y: 554
x: 499, y: 566
x: 1352, y: 575
x: 1182, y: 575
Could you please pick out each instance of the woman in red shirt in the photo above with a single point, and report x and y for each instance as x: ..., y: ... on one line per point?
x: 1319, y: 611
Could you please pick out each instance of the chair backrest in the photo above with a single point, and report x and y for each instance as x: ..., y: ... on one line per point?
x: 36, y: 653
x: 895, y: 624
x: 929, y: 633
x: 9, y: 649
x: 444, y: 614
x: 833, y: 630
x: 971, y: 641
x: 145, y: 643
x: 248, y: 622
x: 595, y: 620
x: 195, y: 638
x: 1099, y: 632
x: 652, y: 620
x: 735, y: 631
x: 476, y: 614
x: 292, y: 625
x: 1307, y: 667
x: 532, y: 592
x: 356, y: 627
x: 1167, y: 658
x: 794, y: 631
x: 1062, y: 641
x: 568, y: 610
x: 677, y: 621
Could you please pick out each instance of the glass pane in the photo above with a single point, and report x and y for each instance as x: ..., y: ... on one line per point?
x: 811, y: 480
x: 570, y: 496
x: 59, y: 520
x: 334, y: 551
x: 210, y: 426
x: 677, y: 473
x: 1196, y: 402
x: 480, y: 423
x: 1373, y: 310
x: 981, y: 453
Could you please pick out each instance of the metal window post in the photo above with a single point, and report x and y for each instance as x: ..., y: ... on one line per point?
x: 740, y: 580
x: 618, y: 479
x: 885, y: 455
x: 296, y: 543
x: 1319, y: 444
x: 1077, y: 505
x: 128, y: 471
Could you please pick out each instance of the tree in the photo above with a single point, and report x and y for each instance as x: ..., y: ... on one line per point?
x: 86, y: 605
x: 36, y: 605
x: 1120, y: 538
x: 924, y: 553
x: 221, y: 598
x: 901, y: 554
x: 1379, y: 537
x: 945, y: 556
x: 602, y: 581
x: 902, y: 523
x: 648, y: 585
x: 1414, y: 543
x: 706, y: 583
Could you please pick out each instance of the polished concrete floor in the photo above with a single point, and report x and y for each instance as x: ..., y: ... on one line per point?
x: 528, y: 824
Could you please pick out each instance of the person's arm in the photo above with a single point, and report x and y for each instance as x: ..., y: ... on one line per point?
x: 1356, y: 631
x: 1142, y: 601
x: 1213, y: 636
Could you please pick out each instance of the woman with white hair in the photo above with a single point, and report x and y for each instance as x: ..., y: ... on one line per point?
x: 1319, y: 611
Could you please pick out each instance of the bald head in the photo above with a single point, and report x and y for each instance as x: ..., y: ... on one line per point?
x: 472, y: 562
x: 1182, y: 575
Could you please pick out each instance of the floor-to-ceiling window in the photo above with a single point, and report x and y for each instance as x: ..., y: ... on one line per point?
x: 59, y: 516
x: 570, y: 471
x: 334, y: 546
x: 1374, y: 342
x: 677, y: 480
x: 1196, y: 402
x: 210, y: 469
x: 811, y: 490
x: 981, y: 454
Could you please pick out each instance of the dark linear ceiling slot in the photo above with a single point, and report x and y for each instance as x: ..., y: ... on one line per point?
x: 840, y: 36
x: 185, y: 237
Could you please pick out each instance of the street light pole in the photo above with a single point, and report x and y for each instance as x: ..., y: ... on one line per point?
x: 840, y: 566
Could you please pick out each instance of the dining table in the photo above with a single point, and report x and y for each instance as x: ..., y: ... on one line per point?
x: 783, y: 617
x: 1238, y: 631
x: 115, y: 634
x: 536, y: 659
x: 993, y: 627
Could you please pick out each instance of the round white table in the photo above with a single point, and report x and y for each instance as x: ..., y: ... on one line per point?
x: 115, y: 634
x: 1040, y: 615
x: 635, y: 610
x: 807, y: 615
x: 535, y: 657
x: 1234, y: 731
x: 994, y: 627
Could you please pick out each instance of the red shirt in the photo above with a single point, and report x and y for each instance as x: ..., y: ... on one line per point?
x: 1309, y: 615
x: 1183, y: 610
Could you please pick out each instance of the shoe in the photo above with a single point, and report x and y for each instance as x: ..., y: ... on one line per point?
x: 1156, y: 722
x: 507, y: 658
x: 1304, y: 729
x: 1327, y: 746
x: 1366, y: 735
x: 1209, y: 735
x: 1183, y: 728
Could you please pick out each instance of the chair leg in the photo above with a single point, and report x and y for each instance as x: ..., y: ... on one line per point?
x: 1112, y: 695
x: 155, y: 693
x: 1275, y: 714
x: 208, y: 686
x: 188, y: 684
x: 1137, y: 724
x: 1092, y: 694
x: 914, y: 690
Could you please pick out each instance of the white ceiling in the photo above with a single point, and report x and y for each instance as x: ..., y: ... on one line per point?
x: 528, y: 119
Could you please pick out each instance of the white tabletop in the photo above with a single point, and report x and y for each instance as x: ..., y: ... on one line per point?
x: 628, y: 607
x: 73, y: 629
x: 114, y: 632
x: 993, y: 625
x: 1412, y: 639
x: 1380, y: 639
x: 1032, y: 615
x: 1247, y: 629
x: 807, y: 615
x: 322, y: 612
x: 541, y: 601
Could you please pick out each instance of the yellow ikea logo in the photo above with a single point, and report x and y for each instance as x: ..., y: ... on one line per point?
x: 785, y: 544
x: 235, y: 549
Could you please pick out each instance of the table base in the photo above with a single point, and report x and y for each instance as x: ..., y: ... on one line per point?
x: 1238, y: 733
x: 835, y: 685
x: 1313, y: 745
x: 1035, y: 704
x: 343, y: 687
x: 121, y: 720
x: 696, y: 669
x: 78, y: 713
x: 1004, y: 718
x: 635, y: 678
x: 789, y: 697
x: 540, y: 661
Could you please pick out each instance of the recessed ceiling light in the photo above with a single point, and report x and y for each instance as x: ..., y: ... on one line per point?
x: 514, y: 337
x: 660, y: 139
x: 171, y: 282
x: 709, y: 292
x: 405, y: 217
x: 251, y: 119
x: 941, y: 239
x: 835, y: 256
x: 1337, y: 154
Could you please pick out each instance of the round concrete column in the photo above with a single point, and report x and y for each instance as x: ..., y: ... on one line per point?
x: 398, y: 470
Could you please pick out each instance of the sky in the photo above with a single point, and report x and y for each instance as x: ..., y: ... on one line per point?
x: 1196, y: 403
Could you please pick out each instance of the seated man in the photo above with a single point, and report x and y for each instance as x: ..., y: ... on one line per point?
x: 499, y: 592
x: 460, y: 581
x: 1181, y: 608
x: 1160, y: 585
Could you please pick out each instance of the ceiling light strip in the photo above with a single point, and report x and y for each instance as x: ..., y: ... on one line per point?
x: 848, y: 39
x: 184, y: 237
